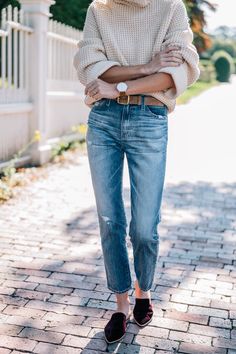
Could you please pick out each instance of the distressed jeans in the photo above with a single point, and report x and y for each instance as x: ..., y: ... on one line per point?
x: 140, y: 132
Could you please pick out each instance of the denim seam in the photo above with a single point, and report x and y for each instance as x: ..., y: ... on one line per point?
x: 152, y: 275
x: 120, y: 291
x: 155, y: 263
x: 129, y: 273
x: 145, y: 289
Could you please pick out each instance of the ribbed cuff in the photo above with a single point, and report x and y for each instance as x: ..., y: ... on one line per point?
x: 99, y: 68
x: 179, y: 75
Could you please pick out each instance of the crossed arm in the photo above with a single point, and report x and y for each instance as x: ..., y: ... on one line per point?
x: 136, y: 81
x: 139, y: 78
x: 121, y: 73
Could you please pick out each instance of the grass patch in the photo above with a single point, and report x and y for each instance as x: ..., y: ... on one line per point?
x: 195, y: 90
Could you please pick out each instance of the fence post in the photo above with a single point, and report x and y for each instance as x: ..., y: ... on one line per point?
x: 37, y: 13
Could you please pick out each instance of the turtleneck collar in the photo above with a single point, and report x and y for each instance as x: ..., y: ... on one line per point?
x: 138, y: 3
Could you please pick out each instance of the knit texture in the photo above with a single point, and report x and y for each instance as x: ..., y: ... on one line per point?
x: 131, y: 32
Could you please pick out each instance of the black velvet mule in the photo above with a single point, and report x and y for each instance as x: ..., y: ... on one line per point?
x: 142, y: 312
x: 116, y: 327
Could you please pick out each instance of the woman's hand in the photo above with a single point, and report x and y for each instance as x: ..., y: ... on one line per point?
x: 168, y: 57
x: 98, y: 89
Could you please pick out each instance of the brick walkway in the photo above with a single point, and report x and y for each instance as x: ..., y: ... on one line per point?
x: 52, y: 281
x: 53, y: 295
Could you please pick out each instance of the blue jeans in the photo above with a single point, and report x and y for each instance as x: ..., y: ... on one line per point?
x: 141, y: 132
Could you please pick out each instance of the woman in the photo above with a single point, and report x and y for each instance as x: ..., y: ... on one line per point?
x: 135, y: 58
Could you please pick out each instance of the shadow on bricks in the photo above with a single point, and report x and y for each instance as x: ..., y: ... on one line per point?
x: 53, y: 287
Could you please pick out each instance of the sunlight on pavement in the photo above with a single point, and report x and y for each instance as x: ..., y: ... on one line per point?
x: 202, y: 144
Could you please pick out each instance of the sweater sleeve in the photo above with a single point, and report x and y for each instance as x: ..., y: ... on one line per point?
x: 179, y: 33
x: 90, y: 59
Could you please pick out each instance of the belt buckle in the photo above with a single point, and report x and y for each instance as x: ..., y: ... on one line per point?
x: 122, y: 97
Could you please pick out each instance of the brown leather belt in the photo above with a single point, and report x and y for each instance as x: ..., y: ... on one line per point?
x: 137, y: 99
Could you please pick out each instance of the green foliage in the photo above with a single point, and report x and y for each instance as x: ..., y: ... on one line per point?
x: 228, y: 45
x: 208, y: 72
x: 62, y: 146
x: 5, y: 3
x: 196, y: 13
x: 224, y: 65
x: 70, y: 12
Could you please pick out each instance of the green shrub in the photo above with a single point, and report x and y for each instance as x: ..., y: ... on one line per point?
x: 224, y: 65
x: 226, y: 44
x: 208, y: 72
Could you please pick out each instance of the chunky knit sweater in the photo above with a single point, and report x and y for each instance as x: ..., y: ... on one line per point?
x: 131, y: 32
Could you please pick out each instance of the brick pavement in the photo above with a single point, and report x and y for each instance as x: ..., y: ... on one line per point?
x: 53, y: 295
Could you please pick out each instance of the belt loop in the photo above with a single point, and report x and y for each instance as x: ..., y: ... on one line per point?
x: 108, y: 102
x: 142, y: 102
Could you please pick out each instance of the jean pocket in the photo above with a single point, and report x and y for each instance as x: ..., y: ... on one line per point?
x: 100, y: 115
x: 158, y: 112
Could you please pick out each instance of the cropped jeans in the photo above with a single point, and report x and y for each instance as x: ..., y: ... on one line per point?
x: 140, y: 132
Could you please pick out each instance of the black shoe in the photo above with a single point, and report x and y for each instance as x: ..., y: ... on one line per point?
x: 142, y: 312
x: 116, y: 327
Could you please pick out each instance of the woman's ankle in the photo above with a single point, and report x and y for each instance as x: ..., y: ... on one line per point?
x: 140, y: 294
x: 123, y: 306
x: 143, y: 294
x: 123, y: 301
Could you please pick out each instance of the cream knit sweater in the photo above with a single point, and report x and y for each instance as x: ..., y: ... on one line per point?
x: 130, y: 32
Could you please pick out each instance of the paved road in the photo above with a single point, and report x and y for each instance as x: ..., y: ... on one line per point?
x: 202, y: 144
x: 53, y: 295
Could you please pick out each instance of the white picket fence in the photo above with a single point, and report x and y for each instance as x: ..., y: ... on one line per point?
x: 39, y: 88
x: 14, y: 84
x: 62, y: 41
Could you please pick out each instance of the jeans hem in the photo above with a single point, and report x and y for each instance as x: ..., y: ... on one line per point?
x: 145, y: 289
x: 119, y: 291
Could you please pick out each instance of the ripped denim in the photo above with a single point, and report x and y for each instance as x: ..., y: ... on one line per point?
x: 140, y: 132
